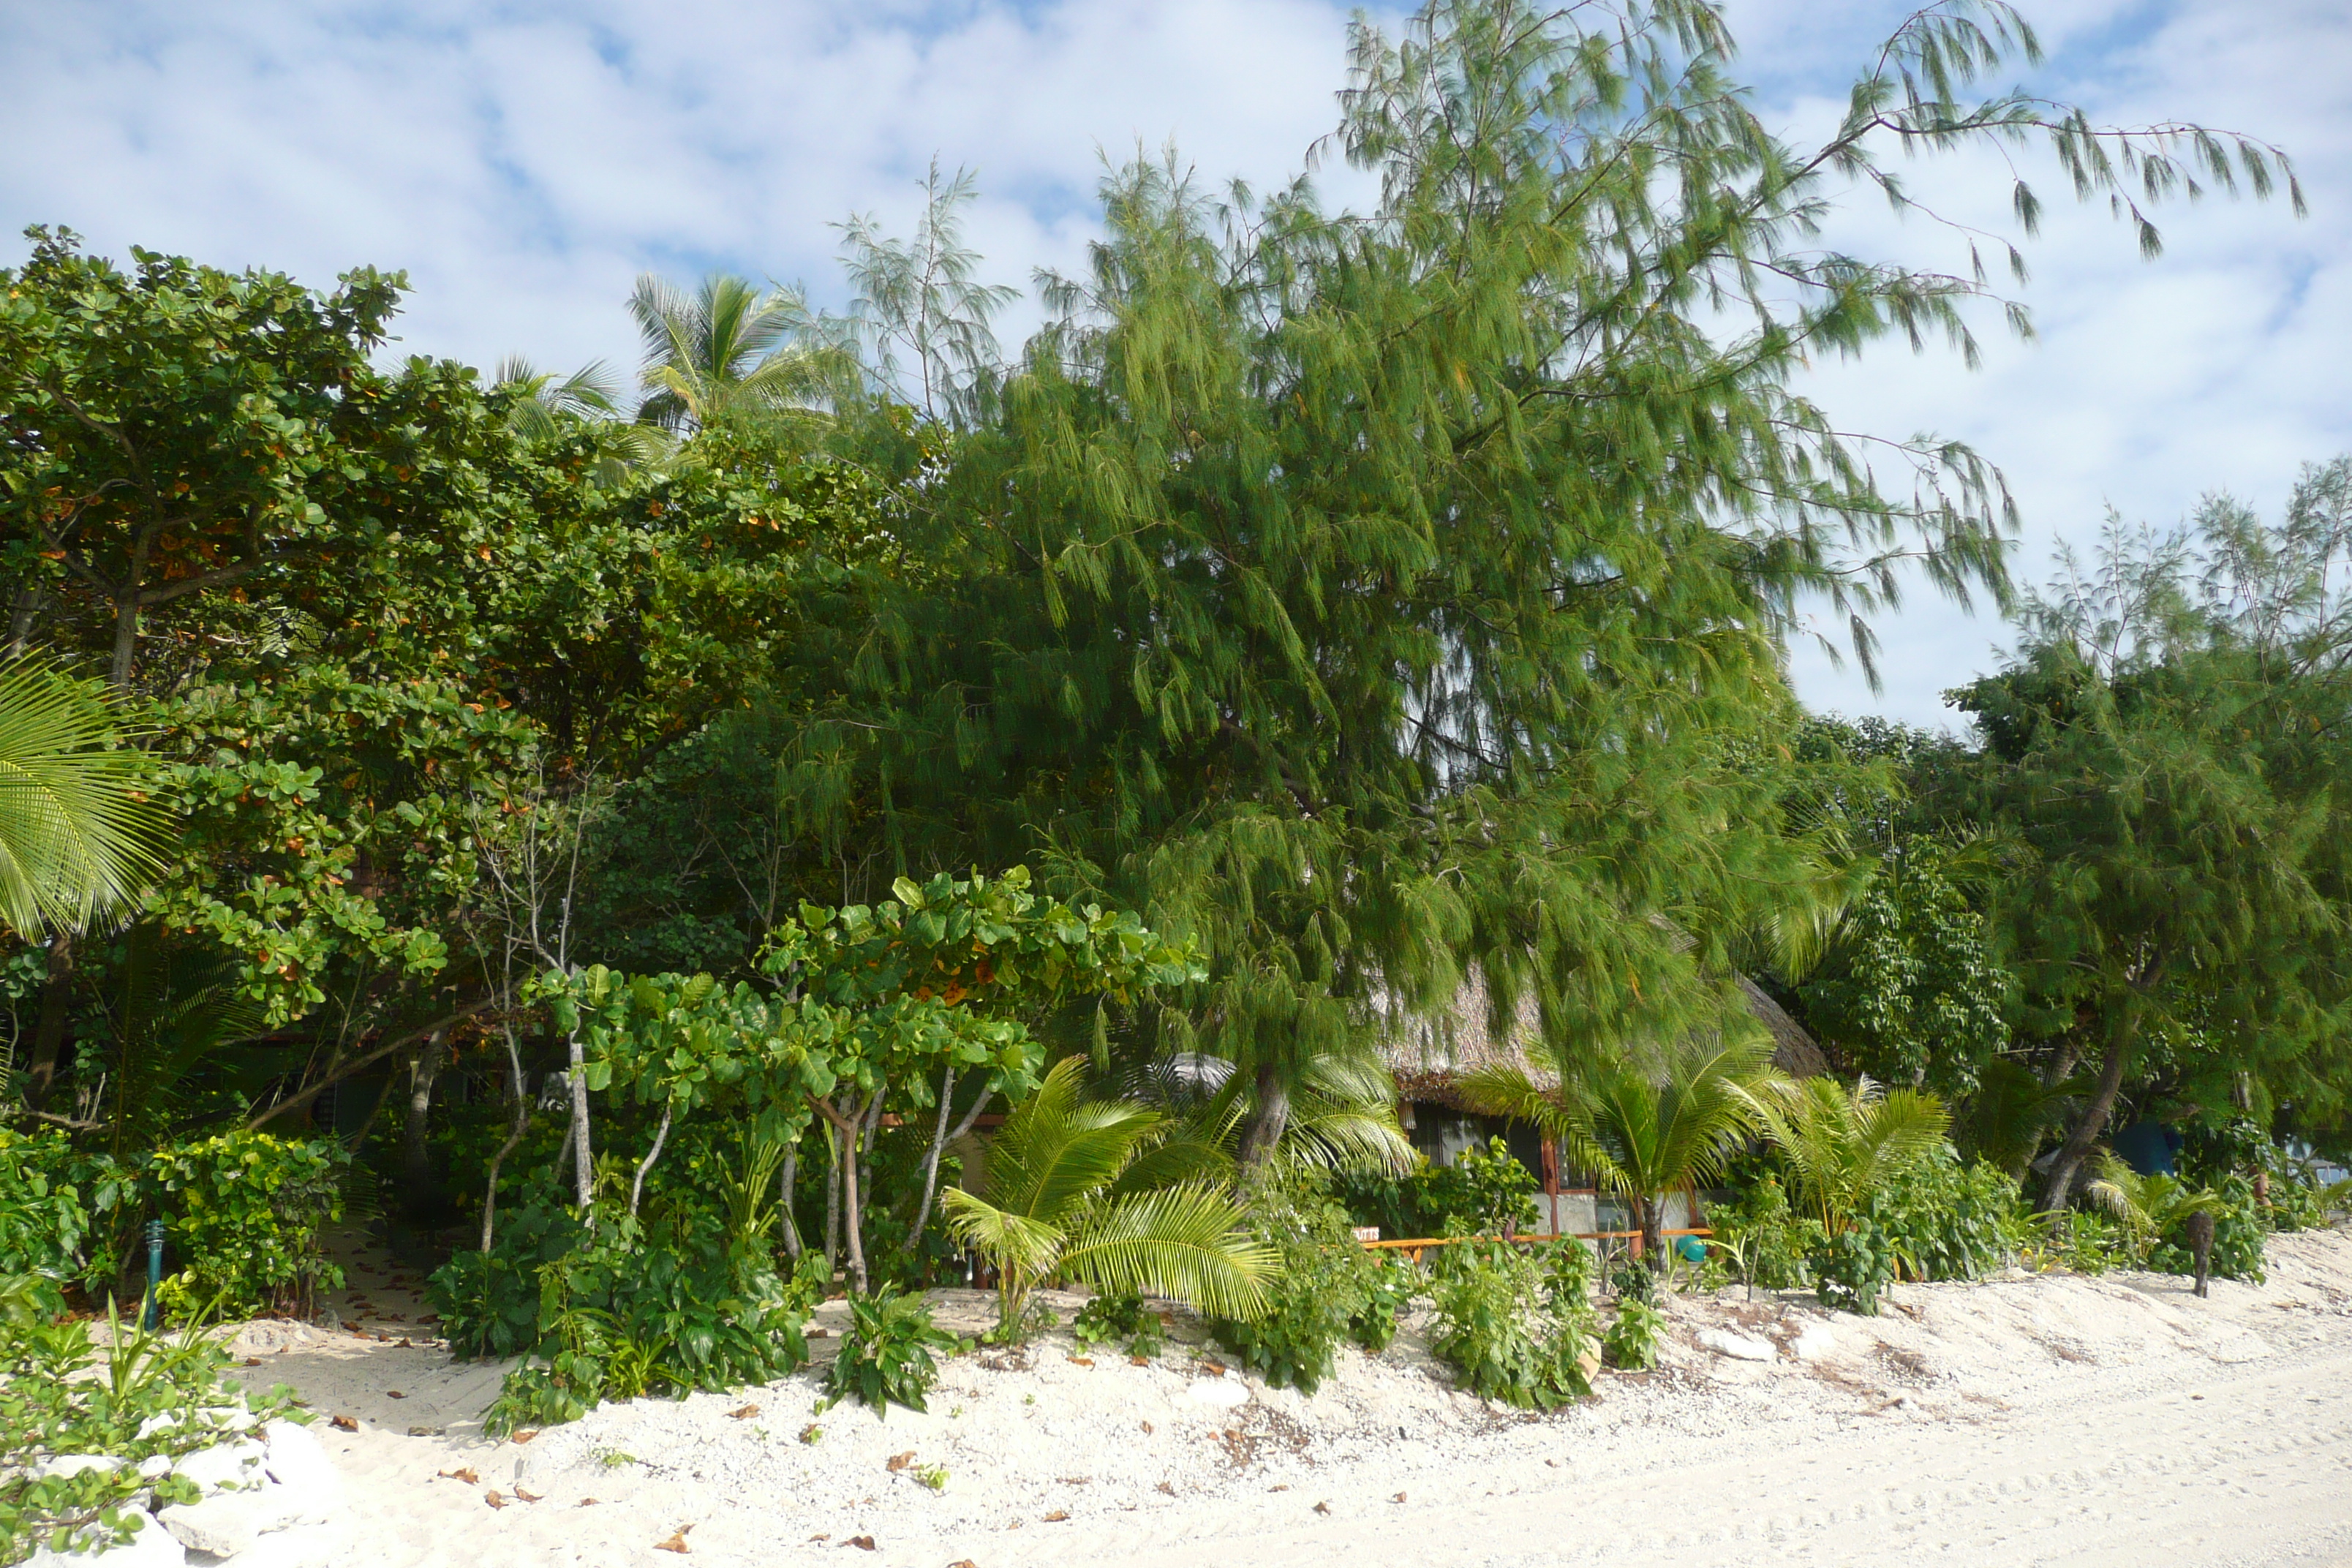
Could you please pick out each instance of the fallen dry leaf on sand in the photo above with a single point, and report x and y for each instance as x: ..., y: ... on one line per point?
x: 587, y: 1502
x: 1138, y: 1361
x: 527, y: 1497
x: 1322, y: 1507
x: 526, y: 1437
x: 394, y: 1394
x: 465, y: 1475
x: 342, y: 1424
x: 1399, y: 1497
x: 1147, y: 1428
x: 1057, y: 1516
x: 676, y: 1542
x: 1214, y: 1368
x: 863, y: 1542
x: 746, y: 1413
x: 1082, y: 1361
x: 900, y: 1461
x: 494, y: 1499
x: 253, y: 1360
x: 963, y: 1562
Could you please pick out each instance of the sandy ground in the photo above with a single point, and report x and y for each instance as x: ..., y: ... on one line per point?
x: 2031, y: 1420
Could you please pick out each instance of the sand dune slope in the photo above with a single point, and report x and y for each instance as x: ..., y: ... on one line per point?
x: 2044, y: 1420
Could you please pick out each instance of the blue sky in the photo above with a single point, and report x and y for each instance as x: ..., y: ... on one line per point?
x: 523, y: 161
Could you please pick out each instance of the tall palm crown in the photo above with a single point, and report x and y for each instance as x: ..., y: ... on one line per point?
x: 78, y: 832
x: 1061, y: 1199
x: 1645, y: 1128
x: 726, y: 349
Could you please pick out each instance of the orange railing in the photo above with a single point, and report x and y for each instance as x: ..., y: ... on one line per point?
x: 1413, y: 1249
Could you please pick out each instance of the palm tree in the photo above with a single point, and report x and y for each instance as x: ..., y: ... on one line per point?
x: 729, y: 349
x: 543, y: 405
x: 1057, y: 1203
x: 78, y: 832
x: 1845, y: 1144
x: 1644, y: 1129
x: 2149, y: 1207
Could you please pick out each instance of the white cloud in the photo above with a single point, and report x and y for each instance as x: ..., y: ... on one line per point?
x: 524, y: 160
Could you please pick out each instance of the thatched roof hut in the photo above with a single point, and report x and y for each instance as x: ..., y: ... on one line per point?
x: 1431, y: 1056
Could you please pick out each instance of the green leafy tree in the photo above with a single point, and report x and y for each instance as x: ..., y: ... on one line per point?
x: 1372, y: 597
x: 2160, y: 756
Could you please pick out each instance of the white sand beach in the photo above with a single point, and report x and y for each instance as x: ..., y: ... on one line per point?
x: 2051, y: 1419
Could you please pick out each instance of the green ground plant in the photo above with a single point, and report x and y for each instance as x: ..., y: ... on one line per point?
x: 1639, y: 1327
x: 135, y: 1394
x: 1946, y: 1220
x: 888, y: 1354
x: 1113, y: 1316
x: 1515, y: 1327
x: 1325, y: 1288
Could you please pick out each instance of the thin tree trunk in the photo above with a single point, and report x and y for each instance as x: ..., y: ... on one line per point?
x: 514, y: 1136
x: 832, y: 1198
x: 1649, y: 1218
x: 853, y: 1231
x: 563, y: 1154
x: 583, y: 1174
x: 785, y: 1201
x: 415, y: 1158
x: 871, y: 1123
x: 1267, y: 1122
x: 938, y: 1145
x: 49, y: 1033
x: 126, y: 636
x: 2060, y: 1182
x: 661, y: 1136
x: 21, y: 618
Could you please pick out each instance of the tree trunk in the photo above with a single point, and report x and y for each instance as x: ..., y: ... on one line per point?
x: 1266, y: 1123
x: 785, y: 1201
x: 126, y: 638
x: 871, y: 1125
x: 931, y: 1164
x: 849, y: 1201
x: 514, y: 1137
x: 415, y: 1158
x: 583, y: 1174
x: 931, y: 1171
x: 49, y: 1033
x: 2061, y: 1179
x: 832, y: 1198
x: 637, y: 1187
x: 1649, y: 1218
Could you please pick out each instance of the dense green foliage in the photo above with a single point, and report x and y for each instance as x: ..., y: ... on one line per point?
x: 693, y: 820
x: 1484, y: 1192
x: 249, y: 1208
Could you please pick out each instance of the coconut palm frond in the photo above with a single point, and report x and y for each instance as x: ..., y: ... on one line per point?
x: 1058, y: 1148
x: 1186, y: 1241
x: 80, y: 833
x: 1006, y: 1237
x: 1845, y: 1142
x: 2149, y: 1207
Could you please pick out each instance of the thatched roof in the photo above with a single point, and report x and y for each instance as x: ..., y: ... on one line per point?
x: 1430, y: 1056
